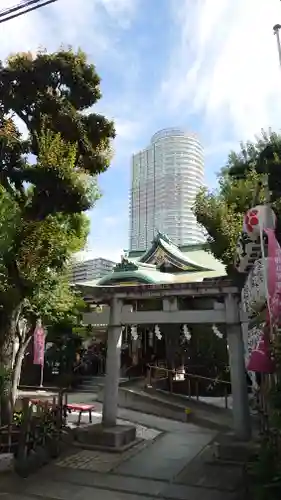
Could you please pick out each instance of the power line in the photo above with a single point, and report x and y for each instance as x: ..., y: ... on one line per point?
x: 22, y: 8
x: 19, y: 6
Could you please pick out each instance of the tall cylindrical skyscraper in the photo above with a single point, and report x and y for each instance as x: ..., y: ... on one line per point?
x: 166, y: 177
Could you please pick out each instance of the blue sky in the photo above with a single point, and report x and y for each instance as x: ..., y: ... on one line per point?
x: 210, y: 66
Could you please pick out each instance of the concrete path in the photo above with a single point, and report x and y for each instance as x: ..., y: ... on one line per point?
x: 166, y: 458
x: 172, y: 461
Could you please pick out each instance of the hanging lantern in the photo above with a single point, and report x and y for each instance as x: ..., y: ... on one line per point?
x: 186, y: 333
x: 157, y: 332
x: 217, y: 332
x: 255, y: 219
x: 134, y: 332
x: 260, y: 359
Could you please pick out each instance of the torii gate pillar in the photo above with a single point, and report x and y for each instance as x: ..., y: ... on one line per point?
x: 113, y: 358
x: 241, y: 409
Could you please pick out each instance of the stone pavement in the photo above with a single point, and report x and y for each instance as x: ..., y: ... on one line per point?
x: 172, y: 461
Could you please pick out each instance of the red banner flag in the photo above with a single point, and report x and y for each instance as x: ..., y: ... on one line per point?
x: 39, y: 346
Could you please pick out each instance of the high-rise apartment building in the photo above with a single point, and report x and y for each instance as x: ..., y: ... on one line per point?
x: 91, y: 269
x: 166, y: 177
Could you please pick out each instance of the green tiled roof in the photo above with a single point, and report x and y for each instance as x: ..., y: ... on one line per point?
x: 141, y: 275
x: 152, y: 277
x: 194, y: 257
x: 190, y: 265
x: 175, y: 251
x: 205, y: 259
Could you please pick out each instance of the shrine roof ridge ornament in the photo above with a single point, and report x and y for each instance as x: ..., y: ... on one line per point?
x: 125, y: 265
x: 162, y: 236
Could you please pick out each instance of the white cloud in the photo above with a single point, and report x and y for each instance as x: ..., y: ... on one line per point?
x: 127, y: 129
x: 90, y: 25
x: 128, y: 133
x: 225, y: 65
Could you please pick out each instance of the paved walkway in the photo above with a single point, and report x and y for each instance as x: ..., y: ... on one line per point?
x: 173, y: 460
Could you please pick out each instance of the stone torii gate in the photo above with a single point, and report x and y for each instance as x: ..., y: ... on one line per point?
x: 222, y: 302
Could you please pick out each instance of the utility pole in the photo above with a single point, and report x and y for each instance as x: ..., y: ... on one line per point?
x: 276, y: 30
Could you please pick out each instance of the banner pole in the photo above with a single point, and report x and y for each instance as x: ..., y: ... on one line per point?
x: 41, y: 375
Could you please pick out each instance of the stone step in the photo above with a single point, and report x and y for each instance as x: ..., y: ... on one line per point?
x: 88, y: 390
x: 94, y: 384
x: 119, y: 488
x: 86, y: 380
x: 69, y: 482
x: 98, y: 382
x: 90, y: 384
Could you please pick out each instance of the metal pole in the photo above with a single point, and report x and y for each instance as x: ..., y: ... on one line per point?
x: 276, y: 30
x: 41, y: 375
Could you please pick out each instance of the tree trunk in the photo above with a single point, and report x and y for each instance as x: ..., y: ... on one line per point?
x: 6, y: 351
x: 8, y: 326
x: 16, y: 374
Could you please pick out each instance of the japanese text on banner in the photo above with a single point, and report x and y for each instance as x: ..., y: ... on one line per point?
x: 39, y: 347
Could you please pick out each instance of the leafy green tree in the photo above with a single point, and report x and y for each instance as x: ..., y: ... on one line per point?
x: 58, y: 90
x: 263, y: 156
x: 48, y: 180
x: 241, y: 184
x: 37, y: 248
x: 56, y: 304
x: 221, y: 213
